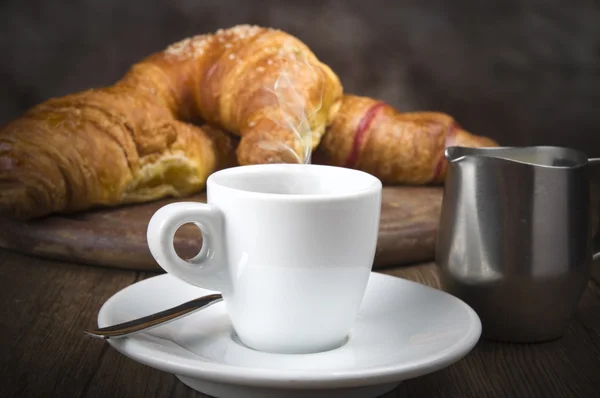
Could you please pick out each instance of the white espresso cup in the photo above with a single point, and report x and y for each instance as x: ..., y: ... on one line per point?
x: 289, y: 246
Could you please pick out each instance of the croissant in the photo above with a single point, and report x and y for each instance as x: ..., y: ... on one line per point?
x: 137, y: 140
x: 398, y: 148
x: 99, y: 148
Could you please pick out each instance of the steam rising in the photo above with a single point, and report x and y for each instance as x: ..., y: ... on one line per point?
x: 296, y: 114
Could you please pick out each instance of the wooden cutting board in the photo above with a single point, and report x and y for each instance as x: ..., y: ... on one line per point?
x: 117, y: 237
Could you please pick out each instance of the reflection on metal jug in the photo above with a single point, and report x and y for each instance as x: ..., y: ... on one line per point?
x: 515, y: 237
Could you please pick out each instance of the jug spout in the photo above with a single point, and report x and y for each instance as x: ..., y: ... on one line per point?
x: 533, y: 156
x: 456, y: 154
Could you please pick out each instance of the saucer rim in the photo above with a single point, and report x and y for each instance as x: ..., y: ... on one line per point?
x: 293, y: 379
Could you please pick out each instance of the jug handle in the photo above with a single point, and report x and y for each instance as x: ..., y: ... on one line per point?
x: 595, y: 197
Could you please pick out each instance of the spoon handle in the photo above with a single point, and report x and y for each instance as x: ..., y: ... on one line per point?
x: 159, y: 318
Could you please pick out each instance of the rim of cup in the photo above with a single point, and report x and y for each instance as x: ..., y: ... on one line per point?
x: 359, y: 184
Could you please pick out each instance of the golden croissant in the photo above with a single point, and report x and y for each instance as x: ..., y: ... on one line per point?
x: 134, y: 141
x: 264, y: 97
x: 399, y: 148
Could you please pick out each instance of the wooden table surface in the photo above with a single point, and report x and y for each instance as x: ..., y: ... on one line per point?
x: 45, y: 305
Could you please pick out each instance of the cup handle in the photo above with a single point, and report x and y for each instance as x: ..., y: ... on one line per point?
x: 208, y: 269
x: 595, y: 198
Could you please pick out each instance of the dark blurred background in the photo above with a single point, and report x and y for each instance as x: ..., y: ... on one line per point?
x: 523, y: 72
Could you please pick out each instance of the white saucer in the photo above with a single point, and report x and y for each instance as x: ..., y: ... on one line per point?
x: 404, y: 330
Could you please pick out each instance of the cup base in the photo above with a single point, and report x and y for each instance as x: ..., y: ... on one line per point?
x: 291, y: 349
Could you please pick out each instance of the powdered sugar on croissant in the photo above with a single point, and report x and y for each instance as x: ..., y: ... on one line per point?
x: 261, y: 84
x: 134, y: 141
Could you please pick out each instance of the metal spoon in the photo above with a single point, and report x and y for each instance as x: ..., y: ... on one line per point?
x: 154, y: 320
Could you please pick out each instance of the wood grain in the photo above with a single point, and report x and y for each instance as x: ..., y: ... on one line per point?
x: 44, y: 308
x: 117, y: 237
x: 45, y: 305
x: 561, y: 368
